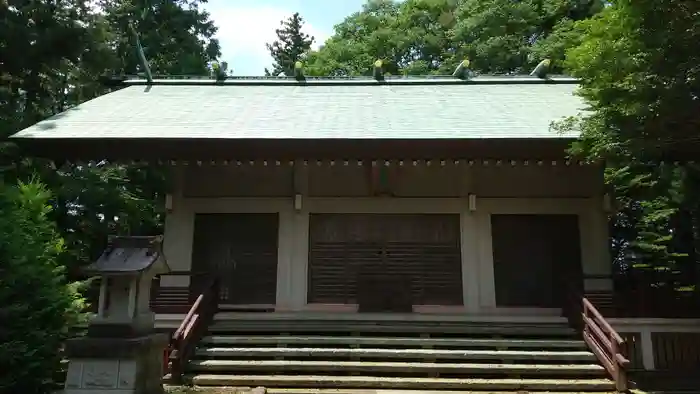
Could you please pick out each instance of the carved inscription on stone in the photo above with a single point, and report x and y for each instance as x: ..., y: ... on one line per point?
x: 100, y: 374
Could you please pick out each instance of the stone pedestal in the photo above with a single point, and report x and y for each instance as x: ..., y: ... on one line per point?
x: 121, y: 354
x: 116, y: 365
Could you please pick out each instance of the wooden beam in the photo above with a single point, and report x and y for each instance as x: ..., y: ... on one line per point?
x: 300, y: 176
x: 466, y: 177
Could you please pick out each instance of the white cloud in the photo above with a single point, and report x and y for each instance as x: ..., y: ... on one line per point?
x: 244, y: 31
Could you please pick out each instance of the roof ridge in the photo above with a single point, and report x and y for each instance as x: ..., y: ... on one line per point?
x: 361, y: 80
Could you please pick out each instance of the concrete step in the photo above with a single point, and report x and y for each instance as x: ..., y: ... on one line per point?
x: 511, y: 343
x: 532, y: 355
x: 371, y: 382
x: 580, y: 370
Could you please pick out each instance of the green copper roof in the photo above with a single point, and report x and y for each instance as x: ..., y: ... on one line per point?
x: 404, y: 108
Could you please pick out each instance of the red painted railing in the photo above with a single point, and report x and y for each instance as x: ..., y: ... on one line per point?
x: 600, y: 337
x: 606, y: 344
x: 190, y: 331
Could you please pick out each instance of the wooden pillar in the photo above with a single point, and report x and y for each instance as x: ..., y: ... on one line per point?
x: 296, y: 275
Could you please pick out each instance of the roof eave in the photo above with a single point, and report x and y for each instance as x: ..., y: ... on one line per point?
x: 248, y: 149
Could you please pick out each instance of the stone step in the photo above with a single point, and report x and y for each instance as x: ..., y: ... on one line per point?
x: 280, y: 390
x: 392, y: 327
x: 410, y: 318
x: 371, y: 382
x: 394, y: 367
x: 311, y: 390
x: 395, y: 342
x: 532, y: 355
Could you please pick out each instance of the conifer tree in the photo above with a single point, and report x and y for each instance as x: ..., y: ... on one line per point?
x: 291, y: 46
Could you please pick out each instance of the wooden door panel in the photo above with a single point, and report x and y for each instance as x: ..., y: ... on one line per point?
x: 534, y: 257
x: 242, y: 250
x: 423, y: 250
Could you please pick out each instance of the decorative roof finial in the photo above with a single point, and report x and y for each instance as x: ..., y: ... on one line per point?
x: 218, y: 71
x: 462, y: 71
x: 541, y: 69
x: 378, y: 70
x: 141, y: 54
x: 299, y: 71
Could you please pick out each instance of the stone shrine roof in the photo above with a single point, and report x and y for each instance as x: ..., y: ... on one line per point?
x: 128, y: 255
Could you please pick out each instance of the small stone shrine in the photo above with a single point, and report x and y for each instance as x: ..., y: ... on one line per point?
x: 121, y: 353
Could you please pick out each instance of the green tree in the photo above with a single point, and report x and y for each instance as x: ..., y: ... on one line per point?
x: 425, y: 43
x: 44, y: 77
x: 411, y: 37
x: 291, y: 46
x: 96, y: 199
x: 41, y: 42
x: 496, y: 34
x: 359, y: 41
x: 53, y: 54
x: 418, y: 37
x: 38, y: 305
x: 639, y: 63
x: 501, y: 36
x: 565, y: 34
x: 177, y: 35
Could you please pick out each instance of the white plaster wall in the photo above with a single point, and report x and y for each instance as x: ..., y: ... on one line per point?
x: 559, y: 197
x: 177, y: 241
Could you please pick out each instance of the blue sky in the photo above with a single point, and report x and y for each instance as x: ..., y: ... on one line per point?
x: 246, y: 25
